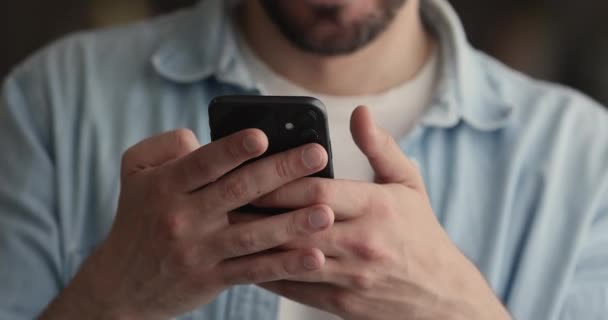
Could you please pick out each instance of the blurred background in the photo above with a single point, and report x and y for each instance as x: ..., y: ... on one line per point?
x: 558, y: 40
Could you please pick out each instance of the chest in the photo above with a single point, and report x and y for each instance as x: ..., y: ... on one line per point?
x: 488, y: 200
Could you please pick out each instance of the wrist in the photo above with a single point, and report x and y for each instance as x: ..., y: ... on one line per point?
x: 460, y: 291
x: 473, y: 298
x: 474, y: 307
x: 90, y: 295
x: 73, y: 303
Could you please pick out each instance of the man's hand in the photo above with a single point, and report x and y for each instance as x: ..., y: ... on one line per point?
x: 387, y: 257
x: 172, y: 249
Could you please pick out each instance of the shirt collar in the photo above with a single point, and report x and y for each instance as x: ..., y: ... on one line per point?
x: 465, y: 91
x: 203, y: 44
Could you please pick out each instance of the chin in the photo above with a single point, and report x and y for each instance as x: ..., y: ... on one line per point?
x: 331, y: 27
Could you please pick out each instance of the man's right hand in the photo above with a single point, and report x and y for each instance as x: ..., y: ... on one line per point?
x: 172, y: 249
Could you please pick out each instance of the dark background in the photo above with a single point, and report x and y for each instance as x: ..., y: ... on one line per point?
x: 557, y: 40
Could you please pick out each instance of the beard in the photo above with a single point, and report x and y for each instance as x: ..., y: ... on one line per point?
x: 330, y: 30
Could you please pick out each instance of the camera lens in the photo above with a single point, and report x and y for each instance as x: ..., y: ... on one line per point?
x: 310, y: 136
x: 312, y: 114
x: 307, y: 118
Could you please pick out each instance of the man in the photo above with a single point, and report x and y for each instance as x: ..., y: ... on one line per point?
x: 500, y: 210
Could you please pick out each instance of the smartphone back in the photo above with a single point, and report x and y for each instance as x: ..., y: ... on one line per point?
x: 288, y: 122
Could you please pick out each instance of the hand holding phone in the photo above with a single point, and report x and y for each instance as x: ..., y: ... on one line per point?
x: 288, y: 122
x: 175, y: 196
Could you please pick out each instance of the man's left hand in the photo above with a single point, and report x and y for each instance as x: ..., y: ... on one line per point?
x: 387, y: 256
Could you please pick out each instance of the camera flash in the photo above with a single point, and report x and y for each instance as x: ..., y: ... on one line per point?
x: 289, y: 126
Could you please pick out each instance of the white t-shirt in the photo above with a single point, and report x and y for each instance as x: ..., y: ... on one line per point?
x: 396, y: 110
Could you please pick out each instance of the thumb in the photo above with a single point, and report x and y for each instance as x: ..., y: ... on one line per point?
x: 386, y: 158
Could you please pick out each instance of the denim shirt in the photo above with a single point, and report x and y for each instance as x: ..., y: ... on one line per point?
x: 516, y: 169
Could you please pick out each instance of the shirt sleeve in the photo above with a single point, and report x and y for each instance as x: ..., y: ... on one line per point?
x: 30, y: 254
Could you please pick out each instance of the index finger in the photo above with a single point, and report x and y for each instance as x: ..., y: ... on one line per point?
x: 212, y: 161
x: 250, y: 182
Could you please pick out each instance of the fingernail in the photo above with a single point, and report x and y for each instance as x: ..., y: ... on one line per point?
x: 312, y: 157
x: 318, y: 219
x: 250, y: 144
x: 310, y: 262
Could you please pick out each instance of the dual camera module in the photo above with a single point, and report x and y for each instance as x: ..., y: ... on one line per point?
x: 304, y: 125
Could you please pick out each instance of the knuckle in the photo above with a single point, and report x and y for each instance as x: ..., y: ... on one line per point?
x: 184, y: 135
x: 233, y: 151
x: 284, y: 269
x: 362, y: 281
x: 235, y: 189
x: 290, y: 231
x: 341, y: 301
x: 276, y: 271
x: 173, y: 226
x: 282, y: 168
x: 202, y: 166
x: 245, y: 242
x: 320, y: 191
x: 380, y: 204
x: 183, y: 141
x: 366, y: 250
x: 293, y: 228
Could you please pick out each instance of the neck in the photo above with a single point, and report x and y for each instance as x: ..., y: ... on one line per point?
x: 391, y: 59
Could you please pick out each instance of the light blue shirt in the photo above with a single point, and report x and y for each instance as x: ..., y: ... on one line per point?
x: 516, y: 169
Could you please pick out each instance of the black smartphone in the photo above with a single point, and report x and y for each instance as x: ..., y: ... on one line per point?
x: 288, y: 122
